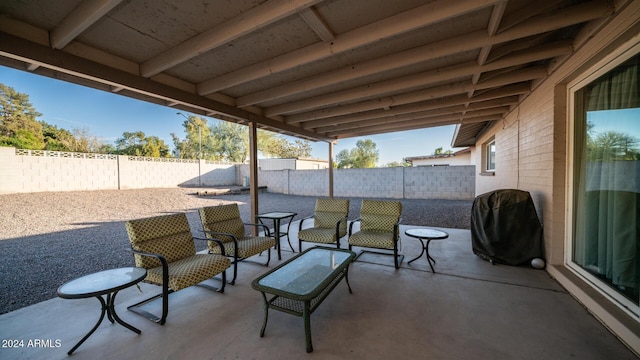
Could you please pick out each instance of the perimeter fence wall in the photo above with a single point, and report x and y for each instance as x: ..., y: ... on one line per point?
x: 38, y: 170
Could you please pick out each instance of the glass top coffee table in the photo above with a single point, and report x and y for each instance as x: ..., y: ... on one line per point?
x: 299, y: 285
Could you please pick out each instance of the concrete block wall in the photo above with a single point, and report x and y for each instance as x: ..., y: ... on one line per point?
x: 276, y: 181
x: 379, y: 182
x: 25, y: 171
x: 218, y: 173
x: 36, y: 171
x: 440, y: 182
x: 436, y: 182
x: 309, y: 182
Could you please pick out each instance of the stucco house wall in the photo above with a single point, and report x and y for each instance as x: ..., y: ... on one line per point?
x: 531, y: 155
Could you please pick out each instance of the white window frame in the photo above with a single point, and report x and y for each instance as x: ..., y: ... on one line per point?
x: 602, y: 67
x: 486, y: 153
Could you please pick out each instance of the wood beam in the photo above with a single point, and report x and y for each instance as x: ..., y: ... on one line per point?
x: 247, y: 22
x: 78, y: 20
x: 420, y: 80
x: 424, y: 95
x: 415, y: 124
x: 458, y: 106
x: 317, y: 24
x: 428, y: 52
x: 492, y: 28
x: 419, y: 17
x: 452, y: 113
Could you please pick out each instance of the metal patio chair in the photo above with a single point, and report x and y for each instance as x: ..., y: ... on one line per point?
x: 379, y: 228
x: 329, y: 222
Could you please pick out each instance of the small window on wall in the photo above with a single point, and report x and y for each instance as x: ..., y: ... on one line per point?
x: 489, y: 157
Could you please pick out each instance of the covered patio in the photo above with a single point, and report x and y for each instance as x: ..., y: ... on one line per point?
x: 329, y: 70
x: 468, y: 308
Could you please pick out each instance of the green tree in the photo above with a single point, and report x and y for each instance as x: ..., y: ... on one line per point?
x: 280, y: 147
x: 57, y: 139
x: 439, y: 151
x: 197, y: 137
x: 84, y: 141
x: 18, y: 124
x: 138, y: 144
x: 364, y: 155
x: 229, y: 141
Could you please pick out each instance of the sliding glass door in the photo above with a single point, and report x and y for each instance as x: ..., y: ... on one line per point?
x: 605, y: 245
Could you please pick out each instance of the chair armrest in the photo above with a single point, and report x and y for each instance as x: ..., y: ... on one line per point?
x: 303, y: 219
x: 351, y: 225
x: 396, y: 230
x: 265, y: 228
x: 163, y: 262
x: 346, y: 219
x: 217, y: 241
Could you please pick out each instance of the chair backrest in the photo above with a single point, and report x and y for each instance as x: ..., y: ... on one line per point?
x: 167, y: 235
x: 378, y: 215
x: 224, y: 219
x: 329, y: 211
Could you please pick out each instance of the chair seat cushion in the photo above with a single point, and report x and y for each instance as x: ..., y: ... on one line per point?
x: 247, y: 247
x: 190, y: 271
x: 318, y: 235
x: 372, y: 239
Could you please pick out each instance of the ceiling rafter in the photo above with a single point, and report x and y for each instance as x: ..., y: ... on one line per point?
x: 424, y: 53
x: 502, y: 96
x: 80, y: 19
x: 394, y: 25
x: 415, y: 124
x: 427, y: 94
x: 420, y: 80
x: 492, y: 28
x: 317, y: 24
x: 249, y: 21
x: 453, y: 112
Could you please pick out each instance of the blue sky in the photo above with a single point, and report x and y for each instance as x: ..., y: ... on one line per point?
x: 108, y: 115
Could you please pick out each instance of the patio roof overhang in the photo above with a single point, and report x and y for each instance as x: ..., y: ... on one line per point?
x: 319, y: 70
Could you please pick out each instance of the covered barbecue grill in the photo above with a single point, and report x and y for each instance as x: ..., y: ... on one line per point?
x: 505, y: 227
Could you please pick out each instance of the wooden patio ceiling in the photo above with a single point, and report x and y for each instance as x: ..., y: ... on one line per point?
x: 320, y: 70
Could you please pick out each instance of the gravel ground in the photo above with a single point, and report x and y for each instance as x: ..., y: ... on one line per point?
x: 49, y: 238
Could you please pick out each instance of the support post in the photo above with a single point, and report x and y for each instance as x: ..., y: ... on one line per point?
x: 331, y: 169
x: 253, y: 172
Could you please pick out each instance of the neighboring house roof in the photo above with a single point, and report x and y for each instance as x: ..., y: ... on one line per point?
x: 438, y: 156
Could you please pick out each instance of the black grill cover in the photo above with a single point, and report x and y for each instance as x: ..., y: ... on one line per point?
x: 505, y: 227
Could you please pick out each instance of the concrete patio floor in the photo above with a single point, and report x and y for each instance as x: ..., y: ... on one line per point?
x: 467, y: 309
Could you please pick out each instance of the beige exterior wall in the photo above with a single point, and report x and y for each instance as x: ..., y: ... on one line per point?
x: 531, y: 155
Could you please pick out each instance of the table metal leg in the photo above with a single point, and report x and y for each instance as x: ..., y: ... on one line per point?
x: 276, y: 225
x: 111, y: 311
x: 429, y: 258
x: 104, y: 311
x: 421, y: 252
x: 289, y: 228
x: 306, y: 313
x: 266, y: 314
